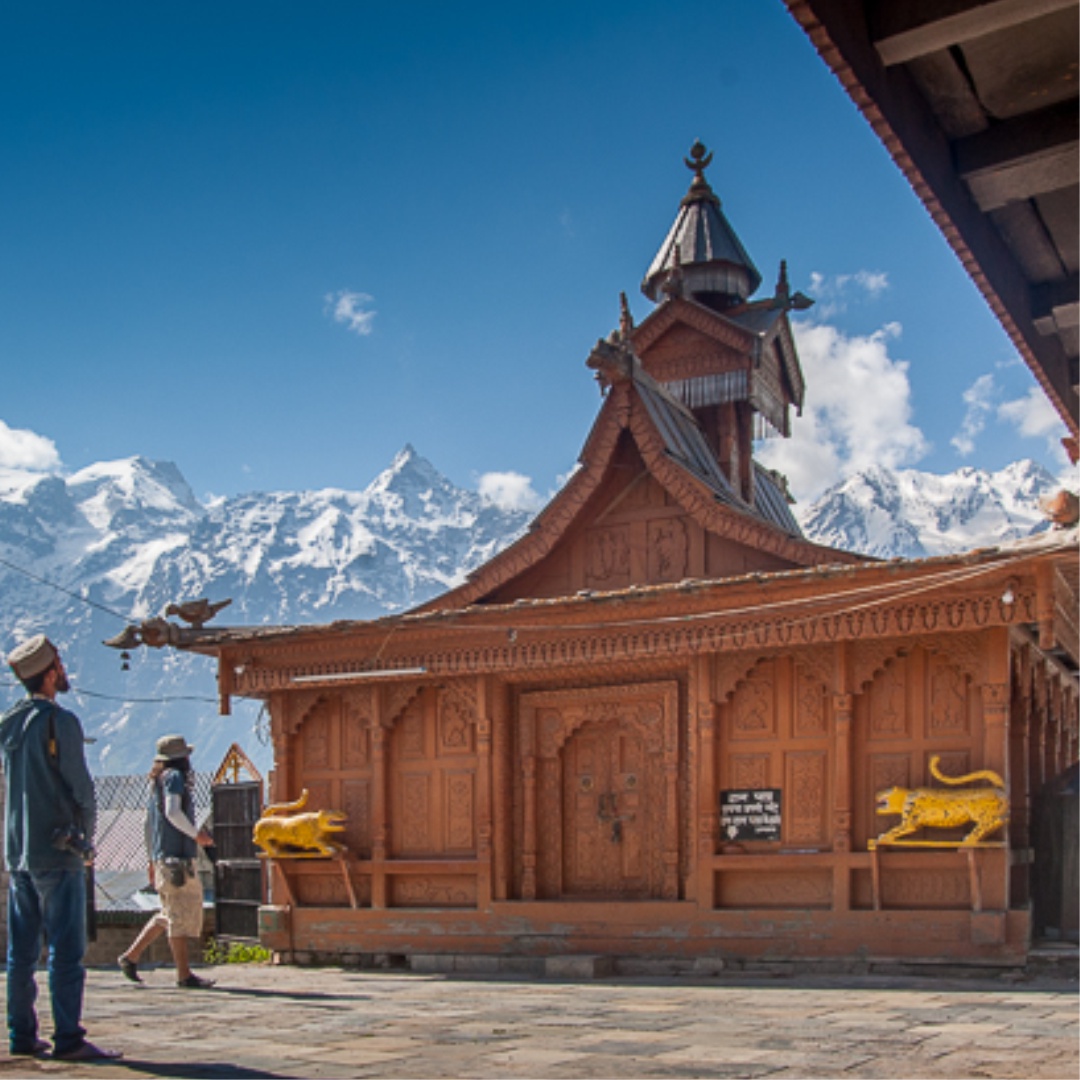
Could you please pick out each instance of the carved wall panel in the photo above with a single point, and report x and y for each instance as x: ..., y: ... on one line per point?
x: 412, y: 821
x: 753, y: 710
x: 750, y: 771
x: 668, y: 550
x: 941, y: 889
x: 810, y: 704
x: 889, y: 718
x: 357, y: 717
x: 949, y: 712
x: 432, y: 775
x: 805, y: 785
x: 775, y: 731
x: 915, y: 705
x: 775, y: 889
x: 321, y: 890
x: 321, y: 795
x: 356, y: 804
x: 441, y: 890
x: 607, y: 557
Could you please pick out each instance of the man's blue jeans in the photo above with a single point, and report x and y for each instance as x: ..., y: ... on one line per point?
x: 53, y: 903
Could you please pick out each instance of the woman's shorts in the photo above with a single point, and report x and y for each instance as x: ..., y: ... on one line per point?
x: 182, y: 905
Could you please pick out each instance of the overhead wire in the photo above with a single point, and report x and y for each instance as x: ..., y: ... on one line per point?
x: 68, y: 592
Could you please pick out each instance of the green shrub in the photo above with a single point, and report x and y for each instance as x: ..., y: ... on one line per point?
x: 234, y: 952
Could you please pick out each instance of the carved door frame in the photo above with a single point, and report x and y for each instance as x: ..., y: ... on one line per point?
x: 546, y: 720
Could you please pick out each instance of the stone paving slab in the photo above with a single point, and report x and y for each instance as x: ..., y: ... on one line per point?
x: 268, y: 1021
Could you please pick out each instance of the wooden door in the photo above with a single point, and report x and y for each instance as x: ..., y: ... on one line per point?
x: 598, y: 811
x: 605, y: 819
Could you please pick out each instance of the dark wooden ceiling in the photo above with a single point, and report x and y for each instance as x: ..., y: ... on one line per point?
x: 976, y: 100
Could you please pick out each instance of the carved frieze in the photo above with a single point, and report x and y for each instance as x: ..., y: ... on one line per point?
x: 874, y: 630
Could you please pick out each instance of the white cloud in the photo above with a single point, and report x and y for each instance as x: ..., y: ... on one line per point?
x: 833, y: 292
x: 1032, y: 415
x: 351, y: 309
x: 1035, y: 418
x: 978, y: 402
x: 857, y: 411
x: 22, y: 449
x: 509, y: 491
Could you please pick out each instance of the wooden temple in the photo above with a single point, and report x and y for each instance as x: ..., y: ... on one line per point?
x: 656, y: 726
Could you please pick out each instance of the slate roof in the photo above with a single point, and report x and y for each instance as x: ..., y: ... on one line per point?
x: 686, y: 445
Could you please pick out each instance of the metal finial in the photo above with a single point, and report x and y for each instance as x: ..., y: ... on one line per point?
x: 702, y: 159
x: 699, y: 186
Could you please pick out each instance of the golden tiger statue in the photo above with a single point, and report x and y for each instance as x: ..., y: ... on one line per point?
x: 282, y: 833
x: 987, y: 808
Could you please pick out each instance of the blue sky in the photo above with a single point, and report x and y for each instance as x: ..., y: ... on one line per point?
x: 273, y: 242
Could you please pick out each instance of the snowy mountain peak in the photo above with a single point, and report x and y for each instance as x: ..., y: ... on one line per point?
x: 132, y: 484
x: 910, y: 514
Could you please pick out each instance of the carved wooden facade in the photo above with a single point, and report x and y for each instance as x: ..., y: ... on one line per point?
x: 550, y: 780
x: 534, y: 763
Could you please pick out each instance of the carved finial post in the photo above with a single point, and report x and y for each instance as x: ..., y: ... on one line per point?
x: 783, y: 289
x: 626, y: 320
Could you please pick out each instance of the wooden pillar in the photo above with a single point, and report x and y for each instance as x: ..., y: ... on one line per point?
x: 279, y: 781
x: 843, y: 778
x: 1057, y: 712
x: 843, y: 709
x: 502, y: 792
x: 528, y: 853
x: 380, y: 816
x: 699, y: 885
x: 1020, y: 794
x: 483, y: 795
x: 995, y: 695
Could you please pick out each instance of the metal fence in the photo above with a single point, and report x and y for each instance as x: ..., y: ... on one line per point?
x: 121, y: 865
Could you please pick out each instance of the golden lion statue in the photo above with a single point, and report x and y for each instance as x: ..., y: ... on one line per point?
x: 987, y: 808
x: 282, y: 833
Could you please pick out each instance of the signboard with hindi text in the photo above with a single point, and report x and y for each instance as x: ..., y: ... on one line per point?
x: 750, y: 815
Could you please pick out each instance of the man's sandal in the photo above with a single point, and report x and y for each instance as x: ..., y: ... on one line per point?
x: 129, y: 969
x: 193, y: 982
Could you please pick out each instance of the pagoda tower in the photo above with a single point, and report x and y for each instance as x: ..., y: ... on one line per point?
x: 729, y: 359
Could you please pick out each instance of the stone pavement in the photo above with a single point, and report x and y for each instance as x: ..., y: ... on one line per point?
x: 267, y: 1021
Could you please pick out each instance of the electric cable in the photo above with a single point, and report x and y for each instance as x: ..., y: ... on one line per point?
x: 60, y: 588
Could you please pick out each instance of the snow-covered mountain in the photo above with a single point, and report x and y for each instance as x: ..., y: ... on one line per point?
x: 912, y: 515
x: 82, y: 555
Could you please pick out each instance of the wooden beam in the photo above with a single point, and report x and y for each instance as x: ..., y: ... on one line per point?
x: 1022, y: 158
x: 912, y: 28
x: 1056, y: 304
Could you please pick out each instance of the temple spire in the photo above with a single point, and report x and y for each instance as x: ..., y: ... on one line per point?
x: 702, y: 249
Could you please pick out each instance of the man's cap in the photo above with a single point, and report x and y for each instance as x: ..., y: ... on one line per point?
x: 32, y: 657
x: 172, y: 746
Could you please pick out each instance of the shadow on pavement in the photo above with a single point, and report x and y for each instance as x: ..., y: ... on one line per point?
x: 291, y: 995
x: 199, y: 1070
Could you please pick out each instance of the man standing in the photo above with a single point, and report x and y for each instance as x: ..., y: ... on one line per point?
x: 50, y: 816
x: 174, y: 843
